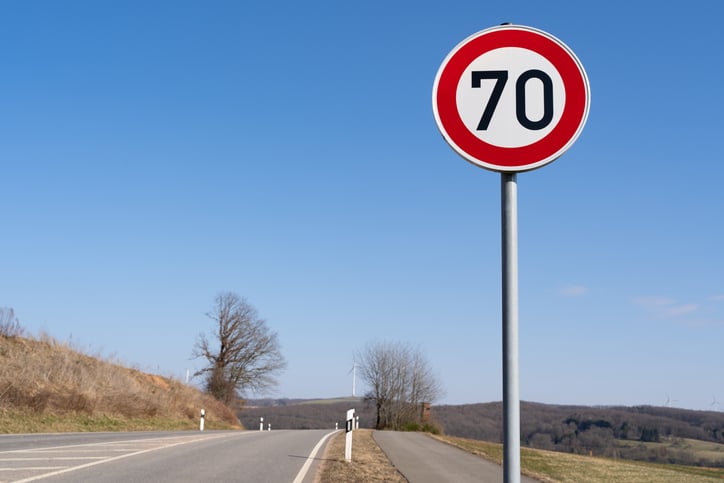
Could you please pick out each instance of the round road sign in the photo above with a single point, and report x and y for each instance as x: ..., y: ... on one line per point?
x: 511, y: 98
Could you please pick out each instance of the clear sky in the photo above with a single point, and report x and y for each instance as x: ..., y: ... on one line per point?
x: 153, y: 154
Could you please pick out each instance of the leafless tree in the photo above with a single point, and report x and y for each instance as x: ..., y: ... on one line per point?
x: 242, y: 353
x: 400, y: 380
x: 9, y: 323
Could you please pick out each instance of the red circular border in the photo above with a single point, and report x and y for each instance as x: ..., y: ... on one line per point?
x: 520, y: 158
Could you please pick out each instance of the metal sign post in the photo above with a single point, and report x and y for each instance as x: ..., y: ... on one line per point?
x: 511, y: 373
x: 510, y: 99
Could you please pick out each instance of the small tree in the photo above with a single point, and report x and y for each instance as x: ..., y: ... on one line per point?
x: 400, y: 380
x: 9, y: 323
x: 242, y: 354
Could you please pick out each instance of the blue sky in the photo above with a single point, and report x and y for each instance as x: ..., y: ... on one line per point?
x: 153, y: 154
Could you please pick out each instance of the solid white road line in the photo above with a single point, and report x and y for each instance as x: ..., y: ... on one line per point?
x: 303, y: 472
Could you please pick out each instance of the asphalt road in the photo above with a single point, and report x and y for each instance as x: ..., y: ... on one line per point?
x: 422, y: 459
x: 218, y: 456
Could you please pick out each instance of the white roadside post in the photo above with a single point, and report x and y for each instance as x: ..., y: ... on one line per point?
x: 261, y: 424
x: 510, y: 99
x: 348, y: 436
x: 269, y: 427
x: 201, y: 421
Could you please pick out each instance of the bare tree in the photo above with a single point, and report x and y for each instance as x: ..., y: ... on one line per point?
x: 9, y: 323
x: 400, y: 380
x: 376, y: 369
x: 241, y: 352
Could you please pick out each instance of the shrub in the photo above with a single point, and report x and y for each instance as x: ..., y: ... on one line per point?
x: 9, y: 323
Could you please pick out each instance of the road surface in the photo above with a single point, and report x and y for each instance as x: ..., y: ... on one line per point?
x: 422, y: 459
x: 218, y: 456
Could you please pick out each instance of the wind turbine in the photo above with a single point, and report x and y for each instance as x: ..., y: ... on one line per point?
x: 714, y: 403
x: 353, y: 371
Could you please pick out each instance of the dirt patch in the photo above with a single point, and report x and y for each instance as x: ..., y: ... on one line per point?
x: 368, y: 463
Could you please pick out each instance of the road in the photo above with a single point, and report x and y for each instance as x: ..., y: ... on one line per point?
x: 219, y: 456
x: 422, y: 459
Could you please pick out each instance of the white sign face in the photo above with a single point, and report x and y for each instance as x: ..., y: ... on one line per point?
x: 511, y: 98
x: 504, y: 128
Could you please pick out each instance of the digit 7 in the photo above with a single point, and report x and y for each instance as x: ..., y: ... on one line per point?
x: 501, y: 77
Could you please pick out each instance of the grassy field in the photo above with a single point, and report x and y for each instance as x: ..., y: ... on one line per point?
x: 696, y: 449
x: 556, y: 467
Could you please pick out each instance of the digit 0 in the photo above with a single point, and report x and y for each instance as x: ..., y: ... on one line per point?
x: 520, y: 112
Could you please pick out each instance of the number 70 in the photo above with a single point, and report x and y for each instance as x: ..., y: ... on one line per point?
x: 501, y: 78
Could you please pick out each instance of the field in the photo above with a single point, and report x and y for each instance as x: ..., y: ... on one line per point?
x: 550, y: 466
x: 682, y: 448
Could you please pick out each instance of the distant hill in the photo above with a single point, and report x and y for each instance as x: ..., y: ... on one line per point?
x: 642, y: 432
x: 305, y: 413
x: 265, y: 403
x: 47, y: 386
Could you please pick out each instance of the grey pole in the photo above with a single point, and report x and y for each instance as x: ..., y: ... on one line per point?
x: 511, y: 376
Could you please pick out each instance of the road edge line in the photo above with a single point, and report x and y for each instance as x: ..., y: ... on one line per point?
x: 305, y: 467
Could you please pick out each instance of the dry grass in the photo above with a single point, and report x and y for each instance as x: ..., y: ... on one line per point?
x: 46, y: 385
x: 557, y: 467
x: 697, y: 449
x: 368, y: 463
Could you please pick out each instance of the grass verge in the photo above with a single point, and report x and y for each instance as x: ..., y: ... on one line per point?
x: 16, y: 422
x: 368, y: 463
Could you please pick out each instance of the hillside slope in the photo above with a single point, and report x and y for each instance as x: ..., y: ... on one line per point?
x: 558, y: 423
x: 46, y: 385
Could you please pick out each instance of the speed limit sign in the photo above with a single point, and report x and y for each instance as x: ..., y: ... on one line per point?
x: 511, y: 98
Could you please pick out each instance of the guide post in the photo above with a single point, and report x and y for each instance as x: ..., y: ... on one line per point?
x: 349, y: 427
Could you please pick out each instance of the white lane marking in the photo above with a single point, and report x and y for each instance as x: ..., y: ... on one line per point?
x: 305, y: 467
x: 134, y: 442
x: 33, y: 468
x: 171, y: 443
x: 54, y: 458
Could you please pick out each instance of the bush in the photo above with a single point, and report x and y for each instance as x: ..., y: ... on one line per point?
x: 431, y: 428
x: 9, y: 323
